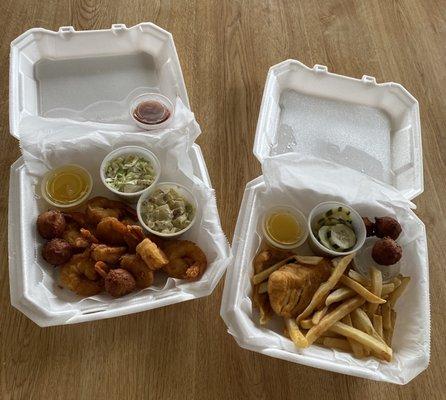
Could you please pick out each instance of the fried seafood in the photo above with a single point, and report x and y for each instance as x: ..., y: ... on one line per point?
x: 80, y: 276
x: 133, y: 236
x: 88, y: 235
x: 74, y: 237
x: 152, y: 255
x: 112, y: 231
x: 292, y: 286
x: 117, y: 282
x: 56, y: 251
x: 79, y: 217
x: 105, y: 249
x: 129, y: 221
x: 99, y: 208
x: 51, y: 224
x: 186, y: 260
x: 138, y: 268
x: 108, y: 254
x: 261, y: 262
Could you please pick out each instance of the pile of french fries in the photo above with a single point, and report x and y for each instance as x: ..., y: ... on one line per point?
x: 348, y: 312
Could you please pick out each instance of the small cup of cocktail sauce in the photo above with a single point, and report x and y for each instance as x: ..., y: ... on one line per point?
x: 152, y: 111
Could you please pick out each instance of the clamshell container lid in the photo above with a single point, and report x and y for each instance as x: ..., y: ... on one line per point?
x: 91, y: 75
x: 373, y: 128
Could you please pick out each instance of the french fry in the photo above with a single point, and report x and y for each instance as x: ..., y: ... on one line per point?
x: 387, y: 322
x: 378, y: 324
x: 306, y: 323
x: 362, y: 322
x: 379, y: 348
x: 356, y: 347
x: 387, y: 288
x: 330, y: 334
x: 361, y: 290
x: 325, y: 288
x: 356, y: 276
x: 377, y: 284
x: 310, y: 260
x: 396, y: 281
x: 394, y: 296
x: 337, y: 314
x: 263, y: 275
x: 336, y: 343
x: 317, y: 316
x: 339, y: 294
x: 263, y: 287
x: 392, y: 327
x: 296, y: 335
x: 388, y: 333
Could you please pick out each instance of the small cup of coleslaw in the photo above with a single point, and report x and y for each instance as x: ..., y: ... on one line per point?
x: 129, y: 171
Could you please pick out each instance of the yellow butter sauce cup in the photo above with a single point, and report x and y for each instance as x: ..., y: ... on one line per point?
x: 67, y: 186
x: 285, y: 227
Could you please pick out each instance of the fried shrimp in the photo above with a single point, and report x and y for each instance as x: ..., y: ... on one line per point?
x: 110, y: 230
x: 99, y: 208
x: 152, y: 255
x: 134, y: 235
x: 88, y: 236
x: 138, y: 268
x: 79, y: 275
x: 186, y: 260
x: 74, y: 237
x: 79, y: 217
x: 108, y: 254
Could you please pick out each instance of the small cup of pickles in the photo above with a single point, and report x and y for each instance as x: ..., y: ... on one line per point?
x: 129, y: 171
x: 336, y: 229
x: 168, y: 209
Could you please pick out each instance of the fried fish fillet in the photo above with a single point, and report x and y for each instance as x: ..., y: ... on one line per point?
x: 291, y: 288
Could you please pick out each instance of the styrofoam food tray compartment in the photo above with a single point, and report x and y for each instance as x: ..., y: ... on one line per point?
x: 91, y: 75
x: 373, y: 128
x: 411, y: 343
x: 25, y: 277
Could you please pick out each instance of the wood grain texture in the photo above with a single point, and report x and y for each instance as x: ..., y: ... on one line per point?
x: 225, y: 48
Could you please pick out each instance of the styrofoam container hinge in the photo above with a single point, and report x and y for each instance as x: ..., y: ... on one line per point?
x: 64, y: 30
x: 369, y: 79
x: 320, y: 68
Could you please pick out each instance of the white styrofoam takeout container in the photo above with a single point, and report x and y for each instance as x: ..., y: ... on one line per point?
x: 86, y: 77
x: 373, y: 128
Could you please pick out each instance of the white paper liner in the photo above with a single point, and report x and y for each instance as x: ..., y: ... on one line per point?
x: 305, y: 182
x: 49, y: 143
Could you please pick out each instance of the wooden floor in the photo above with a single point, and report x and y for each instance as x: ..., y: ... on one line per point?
x: 225, y: 48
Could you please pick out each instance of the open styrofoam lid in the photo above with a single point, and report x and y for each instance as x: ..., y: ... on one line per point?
x: 373, y: 128
x: 91, y: 76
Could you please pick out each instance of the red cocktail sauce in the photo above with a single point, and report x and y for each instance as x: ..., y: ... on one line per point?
x: 151, y: 112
